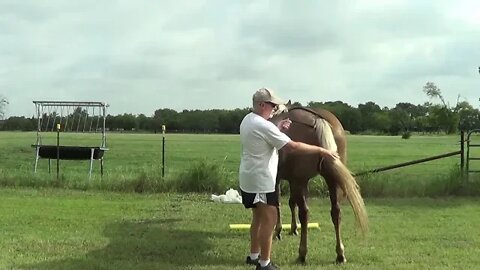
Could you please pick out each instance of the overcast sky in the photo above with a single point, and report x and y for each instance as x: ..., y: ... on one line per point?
x: 139, y: 56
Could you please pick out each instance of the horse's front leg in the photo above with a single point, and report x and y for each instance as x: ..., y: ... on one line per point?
x: 278, y: 226
x: 303, y: 217
x: 293, y: 207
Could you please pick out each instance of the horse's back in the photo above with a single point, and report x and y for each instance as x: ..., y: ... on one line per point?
x: 303, y: 130
x: 338, y: 133
x: 335, y: 124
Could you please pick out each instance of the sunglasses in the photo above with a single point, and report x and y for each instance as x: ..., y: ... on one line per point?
x: 275, y: 106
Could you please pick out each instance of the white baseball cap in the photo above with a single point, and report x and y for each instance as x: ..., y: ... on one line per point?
x: 267, y: 95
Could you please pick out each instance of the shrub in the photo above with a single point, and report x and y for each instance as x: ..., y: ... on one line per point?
x: 406, y: 135
x: 203, y: 176
x: 207, y: 176
x: 389, y: 184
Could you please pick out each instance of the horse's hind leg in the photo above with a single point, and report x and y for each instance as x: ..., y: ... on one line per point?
x: 292, y: 204
x: 335, y: 213
x: 278, y: 227
x: 299, y: 196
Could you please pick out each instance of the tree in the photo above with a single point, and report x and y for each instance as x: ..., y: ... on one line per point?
x: 407, y: 117
x: 349, y: 117
x: 199, y: 121
x: 3, y: 105
x: 128, y: 121
x: 372, y: 116
x: 469, y: 117
x: 442, y: 117
x: 19, y: 123
x: 144, y: 123
x: 296, y: 104
x: 229, y: 121
x: 167, y: 117
x: 433, y: 91
x: 400, y: 120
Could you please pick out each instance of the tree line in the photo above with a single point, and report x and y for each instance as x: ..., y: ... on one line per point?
x: 366, y: 118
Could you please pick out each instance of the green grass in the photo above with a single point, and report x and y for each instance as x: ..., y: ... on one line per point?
x: 61, y: 229
x: 134, y: 163
x: 134, y: 152
x: 67, y: 228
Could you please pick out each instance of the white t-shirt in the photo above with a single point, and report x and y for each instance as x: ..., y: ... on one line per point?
x: 260, y: 141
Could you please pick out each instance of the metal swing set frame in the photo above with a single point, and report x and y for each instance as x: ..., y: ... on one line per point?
x: 76, y: 120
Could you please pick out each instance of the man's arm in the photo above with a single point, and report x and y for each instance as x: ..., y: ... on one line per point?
x: 299, y: 147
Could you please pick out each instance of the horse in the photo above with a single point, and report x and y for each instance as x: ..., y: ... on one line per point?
x: 318, y: 127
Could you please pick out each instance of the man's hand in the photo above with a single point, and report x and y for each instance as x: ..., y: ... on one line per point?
x: 284, y: 124
x: 330, y: 154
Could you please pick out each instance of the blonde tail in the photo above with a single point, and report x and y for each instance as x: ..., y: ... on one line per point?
x: 345, y: 181
x: 351, y: 189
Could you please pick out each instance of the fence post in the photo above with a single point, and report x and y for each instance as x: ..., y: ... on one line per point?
x: 462, y: 151
x: 58, y: 150
x: 163, y: 150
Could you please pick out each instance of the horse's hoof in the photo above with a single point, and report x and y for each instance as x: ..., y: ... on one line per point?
x: 293, y: 232
x: 278, y: 232
x: 301, y: 259
x: 340, y: 260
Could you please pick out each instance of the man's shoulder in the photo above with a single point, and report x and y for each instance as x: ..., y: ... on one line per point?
x: 255, y: 119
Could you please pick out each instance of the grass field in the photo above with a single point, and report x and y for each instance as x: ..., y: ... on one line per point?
x: 59, y: 229
x: 134, y: 159
x: 136, y: 152
x: 66, y: 228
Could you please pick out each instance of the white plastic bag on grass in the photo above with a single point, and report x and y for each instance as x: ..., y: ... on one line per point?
x: 231, y: 196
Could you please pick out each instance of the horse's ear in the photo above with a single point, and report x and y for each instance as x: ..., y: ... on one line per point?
x: 289, y: 104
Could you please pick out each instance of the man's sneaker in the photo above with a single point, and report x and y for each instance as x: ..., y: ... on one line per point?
x: 250, y: 261
x: 269, y: 266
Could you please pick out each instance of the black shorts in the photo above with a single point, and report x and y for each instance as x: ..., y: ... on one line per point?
x: 249, y: 198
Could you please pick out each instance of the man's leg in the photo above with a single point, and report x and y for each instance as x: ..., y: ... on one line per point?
x: 266, y: 215
x: 255, y: 232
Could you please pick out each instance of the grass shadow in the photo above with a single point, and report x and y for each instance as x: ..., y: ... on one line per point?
x: 147, y: 244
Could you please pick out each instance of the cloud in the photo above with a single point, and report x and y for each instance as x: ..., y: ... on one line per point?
x: 143, y: 55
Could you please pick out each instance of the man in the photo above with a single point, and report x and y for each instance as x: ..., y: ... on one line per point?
x: 261, y: 140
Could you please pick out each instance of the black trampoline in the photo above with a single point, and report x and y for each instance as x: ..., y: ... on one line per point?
x: 70, y: 152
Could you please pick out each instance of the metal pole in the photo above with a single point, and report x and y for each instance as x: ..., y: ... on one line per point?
x: 462, y: 151
x: 58, y: 149
x: 163, y: 150
x: 411, y: 163
x: 104, y: 138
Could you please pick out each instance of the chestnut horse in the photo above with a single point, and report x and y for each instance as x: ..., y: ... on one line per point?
x: 317, y: 127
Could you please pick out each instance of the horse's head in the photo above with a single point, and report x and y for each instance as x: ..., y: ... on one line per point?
x: 281, y: 112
